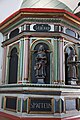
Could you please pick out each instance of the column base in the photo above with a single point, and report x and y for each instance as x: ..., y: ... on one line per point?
x: 61, y: 82
x: 23, y: 82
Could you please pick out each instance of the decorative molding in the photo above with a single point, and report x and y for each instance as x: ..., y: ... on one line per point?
x: 41, y: 20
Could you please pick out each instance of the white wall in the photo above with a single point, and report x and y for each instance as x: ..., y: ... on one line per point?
x: 7, y: 7
x: 1, y: 56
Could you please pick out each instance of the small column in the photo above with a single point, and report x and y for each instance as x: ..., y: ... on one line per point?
x: 60, y: 59
x: 61, y: 105
x: 26, y: 59
x: 55, y: 60
x: 78, y: 52
x: 4, y: 65
x: 21, y: 46
x: 7, y: 64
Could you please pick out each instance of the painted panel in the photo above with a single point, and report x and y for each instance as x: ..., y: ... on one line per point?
x: 70, y: 104
x: 11, y: 103
x: 19, y: 104
x: 24, y: 105
x: 41, y: 105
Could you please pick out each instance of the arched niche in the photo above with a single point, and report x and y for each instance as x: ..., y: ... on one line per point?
x: 70, y: 65
x: 14, y: 33
x: 13, y: 66
x: 34, y: 53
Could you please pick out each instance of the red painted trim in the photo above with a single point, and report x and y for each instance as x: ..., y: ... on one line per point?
x: 40, y: 10
x: 11, y: 117
x: 4, y: 116
x: 48, y: 10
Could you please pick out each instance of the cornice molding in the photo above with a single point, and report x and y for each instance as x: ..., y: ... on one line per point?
x: 37, y: 34
x: 36, y: 12
x: 31, y: 20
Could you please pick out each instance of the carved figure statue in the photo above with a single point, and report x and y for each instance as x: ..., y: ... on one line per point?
x: 41, y: 61
x: 71, y: 65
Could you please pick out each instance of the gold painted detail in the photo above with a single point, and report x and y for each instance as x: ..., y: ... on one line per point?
x: 72, y: 19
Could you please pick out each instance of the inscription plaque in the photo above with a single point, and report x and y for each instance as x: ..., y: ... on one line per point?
x: 42, y: 27
x: 40, y: 105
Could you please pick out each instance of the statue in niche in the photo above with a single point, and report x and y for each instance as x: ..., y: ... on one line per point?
x: 41, y: 63
x: 71, y: 65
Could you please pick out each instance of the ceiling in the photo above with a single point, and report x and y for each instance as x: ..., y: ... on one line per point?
x: 69, y: 5
x: 56, y: 4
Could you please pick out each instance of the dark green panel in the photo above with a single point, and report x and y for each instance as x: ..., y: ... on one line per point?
x: 56, y: 106
x: 24, y: 105
x: 11, y: 103
x: 19, y: 104
x: 2, y: 104
x: 61, y: 102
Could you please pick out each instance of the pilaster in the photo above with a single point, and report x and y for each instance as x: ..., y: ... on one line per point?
x: 60, y: 59
x: 21, y: 60
x: 55, y: 60
x: 78, y: 64
x: 26, y: 59
x: 4, y: 65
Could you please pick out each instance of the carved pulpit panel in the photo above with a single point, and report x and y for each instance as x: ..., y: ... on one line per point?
x: 40, y: 67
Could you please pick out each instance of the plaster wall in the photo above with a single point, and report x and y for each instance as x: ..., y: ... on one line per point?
x: 1, y: 56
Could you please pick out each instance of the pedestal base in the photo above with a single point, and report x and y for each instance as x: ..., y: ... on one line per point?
x: 40, y: 81
x: 73, y: 81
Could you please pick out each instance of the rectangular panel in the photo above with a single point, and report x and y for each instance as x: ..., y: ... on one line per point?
x: 56, y: 28
x: 70, y: 104
x: 56, y: 106
x: 24, y: 105
x: 40, y: 105
x: 2, y: 104
x: 11, y: 103
x: 78, y: 104
x: 19, y: 104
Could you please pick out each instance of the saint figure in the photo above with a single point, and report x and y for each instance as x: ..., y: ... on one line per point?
x: 41, y: 62
x: 71, y: 65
